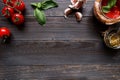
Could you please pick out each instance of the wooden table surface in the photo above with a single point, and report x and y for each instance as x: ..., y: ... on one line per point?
x: 61, y: 50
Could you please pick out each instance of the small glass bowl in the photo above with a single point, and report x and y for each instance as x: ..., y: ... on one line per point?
x: 112, y: 38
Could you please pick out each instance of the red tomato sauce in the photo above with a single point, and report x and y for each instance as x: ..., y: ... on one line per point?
x: 114, y: 11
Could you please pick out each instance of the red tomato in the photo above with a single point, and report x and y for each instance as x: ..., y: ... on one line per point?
x: 110, y: 15
x: 114, y: 12
x: 9, y: 2
x: 18, y: 19
x: 7, y: 11
x: 19, y: 5
x: 4, y: 32
x: 115, y: 8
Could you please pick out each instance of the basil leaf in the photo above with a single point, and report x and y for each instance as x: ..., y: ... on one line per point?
x: 37, y: 5
x: 47, y: 4
x: 110, y: 4
x: 40, y: 16
x: 40, y: 6
x: 34, y: 4
x: 105, y: 9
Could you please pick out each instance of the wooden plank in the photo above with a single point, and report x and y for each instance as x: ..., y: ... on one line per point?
x: 52, y: 53
x: 57, y: 28
x: 63, y: 72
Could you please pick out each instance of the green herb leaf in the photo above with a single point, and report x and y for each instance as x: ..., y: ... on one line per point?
x: 36, y: 5
x: 47, y: 4
x: 105, y: 9
x: 110, y: 4
x: 40, y: 6
x: 40, y: 16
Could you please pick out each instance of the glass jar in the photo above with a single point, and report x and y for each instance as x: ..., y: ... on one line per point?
x: 112, y: 38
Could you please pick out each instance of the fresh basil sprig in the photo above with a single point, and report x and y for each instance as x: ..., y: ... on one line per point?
x: 40, y: 7
x: 110, y: 4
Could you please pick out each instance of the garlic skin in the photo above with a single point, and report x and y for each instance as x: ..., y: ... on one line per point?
x: 71, y: 6
x: 78, y: 16
x: 77, y: 5
x: 73, y: 1
x: 67, y: 12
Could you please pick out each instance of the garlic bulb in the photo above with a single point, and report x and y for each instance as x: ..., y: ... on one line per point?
x: 67, y: 12
x: 75, y: 6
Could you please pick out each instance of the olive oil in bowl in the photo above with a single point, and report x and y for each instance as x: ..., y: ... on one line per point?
x: 112, y: 38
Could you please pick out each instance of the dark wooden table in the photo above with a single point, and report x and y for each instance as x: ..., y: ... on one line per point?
x: 61, y: 50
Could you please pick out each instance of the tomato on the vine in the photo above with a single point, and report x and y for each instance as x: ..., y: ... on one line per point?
x: 4, y: 32
x: 18, y: 19
x: 19, y: 5
x: 9, y: 2
x: 7, y: 11
x: 13, y: 9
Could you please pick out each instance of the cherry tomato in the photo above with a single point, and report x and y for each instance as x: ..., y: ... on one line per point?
x: 19, y: 5
x: 9, y: 2
x: 18, y: 19
x: 5, y: 35
x: 7, y: 11
x: 4, y: 32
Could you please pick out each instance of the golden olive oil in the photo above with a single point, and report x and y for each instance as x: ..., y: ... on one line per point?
x: 114, y: 40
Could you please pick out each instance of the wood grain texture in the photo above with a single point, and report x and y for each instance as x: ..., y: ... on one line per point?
x: 63, y: 72
x: 58, y: 53
x: 60, y: 50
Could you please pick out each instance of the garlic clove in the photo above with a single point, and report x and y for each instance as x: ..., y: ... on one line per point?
x: 78, y: 16
x: 67, y: 12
